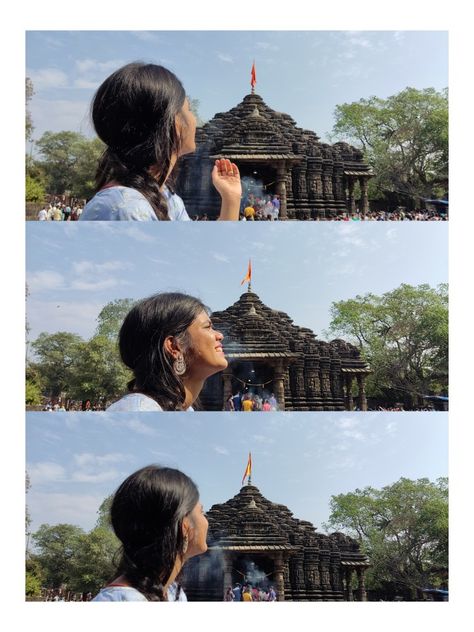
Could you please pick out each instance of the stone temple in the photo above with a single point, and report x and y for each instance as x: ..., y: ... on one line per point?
x: 255, y: 541
x: 268, y: 353
x: 313, y: 179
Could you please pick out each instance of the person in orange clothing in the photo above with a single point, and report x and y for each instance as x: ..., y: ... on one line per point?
x: 247, y: 404
x: 249, y: 213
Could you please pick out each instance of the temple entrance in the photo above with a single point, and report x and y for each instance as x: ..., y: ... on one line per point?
x: 255, y: 378
x: 258, y: 179
x: 253, y: 570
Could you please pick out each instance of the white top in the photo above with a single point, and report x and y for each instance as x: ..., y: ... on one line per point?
x: 128, y: 593
x: 136, y: 403
x: 124, y: 203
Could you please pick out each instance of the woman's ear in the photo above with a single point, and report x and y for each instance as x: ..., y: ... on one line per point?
x: 171, y: 346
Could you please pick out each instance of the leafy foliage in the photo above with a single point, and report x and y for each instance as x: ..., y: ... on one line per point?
x: 111, y: 317
x: 69, y: 161
x: 404, y: 336
x: 69, y: 556
x: 404, y: 138
x: 28, y: 120
x: 34, y: 190
x: 404, y: 530
x: 57, y: 354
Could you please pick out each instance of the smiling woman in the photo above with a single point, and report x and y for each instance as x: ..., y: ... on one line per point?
x: 169, y: 343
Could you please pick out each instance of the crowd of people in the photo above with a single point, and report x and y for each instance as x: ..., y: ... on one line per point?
x: 59, y: 594
x: 57, y: 211
x: 249, y: 593
x: 398, y: 215
x: 248, y: 402
x: 73, y: 405
x: 256, y: 208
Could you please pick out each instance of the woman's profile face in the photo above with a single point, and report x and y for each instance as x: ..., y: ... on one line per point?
x: 206, y: 345
x: 198, y: 526
x: 186, y: 127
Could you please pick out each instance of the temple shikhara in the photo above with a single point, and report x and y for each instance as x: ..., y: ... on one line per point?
x: 269, y: 354
x: 259, y: 543
x: 274, y: 156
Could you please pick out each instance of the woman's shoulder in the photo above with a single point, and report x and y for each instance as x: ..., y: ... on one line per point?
x: 118, y: 203
x: 134, y: 402
x: 119, y: 593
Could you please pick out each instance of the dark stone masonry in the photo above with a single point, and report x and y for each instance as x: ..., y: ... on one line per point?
x: 313, y: 179
x: 268, y: 353
x: 255, y: 541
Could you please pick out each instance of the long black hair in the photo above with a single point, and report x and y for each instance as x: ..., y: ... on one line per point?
x: 134, y: 113
x: 141, y: 343
x: 147, y: 513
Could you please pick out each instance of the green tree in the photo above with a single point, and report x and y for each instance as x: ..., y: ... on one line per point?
x: 404, y: 336
x: 403, y: 528
x: 56, y: 355
x: 69, y: 161
x: 57, y: 548
x: 34, y: 578
x: 112, y: 316
x: 404, y: 138
x: 103, y: 514
x: 29, y: 121
x: 34, y: 190
x: 98, y: 371
x: 93, y: 565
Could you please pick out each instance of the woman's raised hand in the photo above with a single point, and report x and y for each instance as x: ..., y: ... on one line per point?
x: 226, y: 179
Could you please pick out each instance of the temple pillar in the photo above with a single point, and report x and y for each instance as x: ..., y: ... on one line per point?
x: 227, y: 567
x: 362, y: 396
x: 351, y: 200
x: 227, y: 380
x: 279, y: 578
x: 281, y: 189
x: 279, y: 386
x: 349, y: 400
x: 364, y: 195
x: 349, y: 593
x: 361, y: 592
x: 324, y: 365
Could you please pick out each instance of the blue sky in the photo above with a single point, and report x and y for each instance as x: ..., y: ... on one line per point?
x: 75, y: 268
x: 75, y: 460
x: 302, y: 73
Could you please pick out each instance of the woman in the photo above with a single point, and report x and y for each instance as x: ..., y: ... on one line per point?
x: 157, y: 516
x: 168, y: 342
x: 142, y: 115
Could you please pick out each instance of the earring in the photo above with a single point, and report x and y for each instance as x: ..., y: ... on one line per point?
x: 179, y: 365
x: 185, y: 544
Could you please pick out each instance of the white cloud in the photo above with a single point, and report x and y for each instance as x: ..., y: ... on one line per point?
x: 78, y: 509
x: 225, y: 58
x: 89, y: 267
x: 45, y: 78
x: 86, y: 84
x: 267, y: 46
x: 58, y: 115
x: 87, y: 66
x: 146, y: 36
x: 95, y: 286
x: 87, y: 459
x: 74, y: 316
x: 98, y: 477
x: 218, y: 257
x: 44, y: 280
x: 220, y: 450
x: 45, y: 472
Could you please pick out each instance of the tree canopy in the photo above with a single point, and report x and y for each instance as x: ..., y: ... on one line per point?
x: 403, y: 528
x: 69, y: 161
x: 404, y: 138
x: 403, y: 334
x: 67, y: 555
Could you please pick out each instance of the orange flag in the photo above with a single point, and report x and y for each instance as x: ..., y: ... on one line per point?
x: 248, y: 276
x: 253, y: 76
x: 248, y: 469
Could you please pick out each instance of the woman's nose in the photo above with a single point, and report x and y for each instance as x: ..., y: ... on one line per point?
x: 219, y: 335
